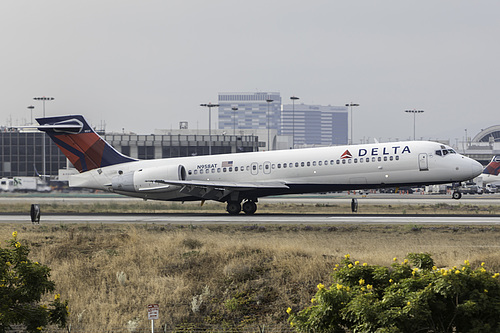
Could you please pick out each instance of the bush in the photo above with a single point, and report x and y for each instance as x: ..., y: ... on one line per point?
x: 22, y: 285
x: 407, y: 297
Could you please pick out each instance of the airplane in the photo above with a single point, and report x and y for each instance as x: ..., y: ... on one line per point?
x: 491, y: 172
x: 240, y: 179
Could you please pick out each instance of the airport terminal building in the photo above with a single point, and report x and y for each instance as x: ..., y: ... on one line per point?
x: 21, y: 152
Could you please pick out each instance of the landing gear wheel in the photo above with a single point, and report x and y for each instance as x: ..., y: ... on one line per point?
x: 249, y: 207
x: 233, y: 207
x: 456, y: 195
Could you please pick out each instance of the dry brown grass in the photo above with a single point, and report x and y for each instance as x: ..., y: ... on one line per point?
x: 138, y: 206
x: 224, y: 275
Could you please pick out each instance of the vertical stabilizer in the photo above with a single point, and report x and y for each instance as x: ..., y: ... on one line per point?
x: 85, y: 149
x: 493, y: 168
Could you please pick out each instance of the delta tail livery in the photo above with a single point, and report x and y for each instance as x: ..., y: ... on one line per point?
x: 240, y: 179
x: 491, y: 173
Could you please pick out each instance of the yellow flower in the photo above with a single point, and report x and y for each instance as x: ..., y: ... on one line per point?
x: 434, y: 268
x: 369, y: 287
x: 14, y: 234
x: 457, y: 272
x: 482, y: 264
x: 485, y: 290
x: 362, y: 288
x: 394, y: 259
x: 313, y: 300
x: 39, y: 328
x: 361, y: 282
x: 57, y: 296
x: 350, y: 266
x: 356, y: 263
x: 18, y: 244
x: 339, y: 286
x: 466, y: 262
x: 8, y: 264
x: 347, y: 256
x: 289, y: 310
x: 445, y: 273
x: 496, y: 275
x: 409, y: 303
x: 405, y: 261
x: 321, y: 286
x: 365, y: 264
x: 390, y: 281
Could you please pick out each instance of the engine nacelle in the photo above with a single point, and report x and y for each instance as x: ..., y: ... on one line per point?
x: 149, y: 179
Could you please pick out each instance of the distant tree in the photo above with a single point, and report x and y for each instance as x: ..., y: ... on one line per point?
x: 22, y: 285
x: 412, y: 296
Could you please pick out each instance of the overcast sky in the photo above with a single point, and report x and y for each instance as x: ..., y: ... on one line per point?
x: 142, y: 65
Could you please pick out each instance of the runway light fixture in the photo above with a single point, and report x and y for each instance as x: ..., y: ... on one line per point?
x: 293, y: 98
x: 43, y: 99
x: 210, y: 106
x: 414, y: 115
x: 351, y: 105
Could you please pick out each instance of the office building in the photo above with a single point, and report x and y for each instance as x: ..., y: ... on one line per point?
x: 315, y: 124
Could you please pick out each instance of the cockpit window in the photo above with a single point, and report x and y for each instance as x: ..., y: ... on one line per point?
x: 445, y: 151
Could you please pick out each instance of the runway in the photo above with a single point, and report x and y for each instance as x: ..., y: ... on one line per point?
x: 286, y: 219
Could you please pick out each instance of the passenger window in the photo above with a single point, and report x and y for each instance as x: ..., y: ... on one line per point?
x: 302, y: 164
x: 279, y: 165
x: 397, y: 158
x: 254, y: 167
x: 230, y: 169
x: 266, y: 166
x: 224, y: 169
x: 235, y: 169
x: 349, y: 161
x: 320, y: 163
x: 290, y: 165
x: 343, y: 161
x: 379, y: 158
x: 284, y: 165
x: 296, y: 164
x: 195, y: 172
x: 355, y: 160
x: 391, y: 158
x: 201, y: 171
x: 338, y: 161
x: 367, y: 159
x: 373, y: 159
x: 385, y: 158
x: 190, y: 172
x: 218, y: 170
x: 331, y: 162
x: 309, y: 163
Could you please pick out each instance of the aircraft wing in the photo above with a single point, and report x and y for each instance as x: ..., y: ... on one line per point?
x: 213, y: 190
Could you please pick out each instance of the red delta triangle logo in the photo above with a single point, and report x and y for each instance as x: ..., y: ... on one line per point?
x: 346, y: 154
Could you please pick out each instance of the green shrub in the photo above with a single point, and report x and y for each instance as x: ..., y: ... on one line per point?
x: 22, y: 285
x: 406, y: 297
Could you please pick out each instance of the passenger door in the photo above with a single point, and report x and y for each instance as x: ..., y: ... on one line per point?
x: 423, y: 162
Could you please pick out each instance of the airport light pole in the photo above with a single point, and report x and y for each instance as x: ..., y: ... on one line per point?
x: 293, y: 98
x: 31, y: 107
x: 268, y: 138
x: 351, y: 105
x: 210, y: 106
x: 414, y: 115
x: 234, y: 119
x: 43, y: 99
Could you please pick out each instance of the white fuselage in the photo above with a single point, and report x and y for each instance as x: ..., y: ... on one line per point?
x: 302, y: 170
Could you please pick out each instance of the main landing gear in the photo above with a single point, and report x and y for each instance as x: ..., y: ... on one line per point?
x: 234, y: 207
x: 456, y: 195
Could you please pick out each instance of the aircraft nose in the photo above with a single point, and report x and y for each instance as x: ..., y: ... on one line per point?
x: 477, y: 168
